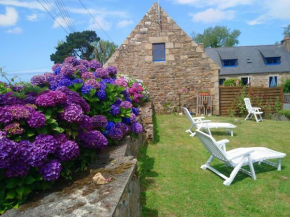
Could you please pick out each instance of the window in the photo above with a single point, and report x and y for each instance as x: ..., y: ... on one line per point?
x: 230, y: 63
x: 272, y: 60
x: 246, y: 80
x: 221, y: 81
x: 273, y: 81
x: 158, y: 52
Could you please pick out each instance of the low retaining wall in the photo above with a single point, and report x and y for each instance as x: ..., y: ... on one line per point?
x: 84, y: 197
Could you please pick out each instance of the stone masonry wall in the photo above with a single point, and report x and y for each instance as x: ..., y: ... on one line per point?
x: 258, y: 80
x: 186, y: 66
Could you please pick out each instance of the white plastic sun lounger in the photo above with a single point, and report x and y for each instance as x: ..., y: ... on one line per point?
x: 206, y: 124
x: 237, y: 158
x: 253, y: 111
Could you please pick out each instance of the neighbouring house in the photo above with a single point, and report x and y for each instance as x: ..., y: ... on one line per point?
x: 160, y: 53
x: 260, y: 65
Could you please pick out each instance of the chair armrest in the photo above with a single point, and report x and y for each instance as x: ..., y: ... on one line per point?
x: 222, y: 143
x: 257, y: 109
x: 241, y: 155
x: 199, y: 120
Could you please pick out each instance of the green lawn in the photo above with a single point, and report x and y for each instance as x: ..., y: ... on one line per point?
x: 173, y: 184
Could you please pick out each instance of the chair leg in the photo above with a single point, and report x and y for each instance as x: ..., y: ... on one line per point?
x: 279, y: 164
x: 248, y: 116
x: 252, y: 168
x: 207, y: 163
x: 229, y: 180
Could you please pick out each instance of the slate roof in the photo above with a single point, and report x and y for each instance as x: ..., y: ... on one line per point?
x: 250, y: 59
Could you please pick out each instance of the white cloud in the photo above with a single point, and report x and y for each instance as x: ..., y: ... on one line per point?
x: 64, y: 22
x: 30, y: 4
x: 10, y: 18
x: 272, y: 11
x: 32, y: 17
x: 221, y: 4
x: 213, y: 16
x: 15, y: 31
x: 125, y: 23
x: 102, y: 23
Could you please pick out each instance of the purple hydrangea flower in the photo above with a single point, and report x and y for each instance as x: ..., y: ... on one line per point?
x: 68, y: 151
x: 8, y: 151
x: 50, y: 98
x: 38, y: 155
x: 5, y: 115
x: 135, y: 111
x: 19, y: 112
x: 88, y: 75
x: 125, y: 94
x: 85, y: 106
x: 103, y: 85
x: 123, y: 127
x: 115, y: 110
x: 92, y: 83
x: 30, y: 98
x: 133, y: 118
x: 118, y: 101
x: 86, y: 89
x: 137, y: 128
x: 13, y: 129
x: 37, y: 120
x: 122, y: 82
x: 9, y: 99
x: 94, y: 64
x: 128, y: 99
x: 25, y: 151
x: 115, y: 133
x: 18, y: 168
x: 99, y: 121
x: 102, y: 73
x: 49, y: 77
x: 46, y: 142
x: 65, y: 82
x: 81, y: 69
x: 72, y: 60
x: 60, y: 138
x: 85, y: 123
x: 126, y: 105
x: 38, y: 80
x: 102, y: 95
x: 55, y: 66
x: 112, y: 70
x: 57, y: 70
x: 67, y: 69
x: 50, y: 171
x: 93, y: 139
x: 85, y: 63
x: 72, y: 113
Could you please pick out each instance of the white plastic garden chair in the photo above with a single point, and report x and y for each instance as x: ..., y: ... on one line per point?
x: 253, y: 111
x: 238, y: 157
x: 199, y: 123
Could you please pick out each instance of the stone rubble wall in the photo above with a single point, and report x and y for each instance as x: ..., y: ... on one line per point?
x: 186, y: 66
x: 84, y: 198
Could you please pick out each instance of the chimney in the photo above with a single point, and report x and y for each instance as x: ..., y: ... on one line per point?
x: 286, y: 43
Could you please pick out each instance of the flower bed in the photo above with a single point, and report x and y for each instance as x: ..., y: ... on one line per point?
x: 56, y: 125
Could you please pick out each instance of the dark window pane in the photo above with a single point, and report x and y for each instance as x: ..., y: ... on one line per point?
x: 230, y: 63
x: 272, y: 60
x: 245, y: 81
x: 158, y: 52
x: 221, y: 81
x: 273, y: 81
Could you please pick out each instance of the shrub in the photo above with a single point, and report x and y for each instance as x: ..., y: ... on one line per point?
x: 285, y: 112
x: 286, y: 86
x: 231, y: 82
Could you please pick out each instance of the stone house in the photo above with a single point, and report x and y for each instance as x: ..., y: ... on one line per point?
x: 160, y: 53
x: 260, y: 65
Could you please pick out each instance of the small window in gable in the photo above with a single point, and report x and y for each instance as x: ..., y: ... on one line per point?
x: 230, y: 63
x: 272, y: 60
x: 158, y: 52
x: 273, y: 81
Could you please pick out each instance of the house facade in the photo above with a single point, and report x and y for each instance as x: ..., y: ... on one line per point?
x: 172, y: 66
x: 261, y: 65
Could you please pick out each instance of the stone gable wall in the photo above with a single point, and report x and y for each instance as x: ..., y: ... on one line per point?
x: 186, y: 66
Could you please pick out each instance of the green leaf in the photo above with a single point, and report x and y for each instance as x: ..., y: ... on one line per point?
x: 48, y: 111
x: 16, y: 205
x: 29, y: 180
x: 59, y: 129
x: 50, y: 121
x: 47, y: 116
x: 11, y: 194
x: 60, y: 110
x: 11, y: 183
x: 26, y: 191
x: 20, y: 190
x: 17, y: 138
x: 30, y: 133
x: 2, y: 195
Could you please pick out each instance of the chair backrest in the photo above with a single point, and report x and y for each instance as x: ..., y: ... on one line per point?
x: 248, y: 104
x: 188, y: 115
x: 210, y: 144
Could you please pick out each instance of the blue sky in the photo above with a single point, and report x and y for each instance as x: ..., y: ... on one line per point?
x: 29, y: 35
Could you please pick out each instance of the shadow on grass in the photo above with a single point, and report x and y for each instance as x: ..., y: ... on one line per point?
x: 147, y: 174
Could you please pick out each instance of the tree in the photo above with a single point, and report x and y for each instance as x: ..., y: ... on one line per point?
x: 218, y: 36
x: 286, y: 32
x: 104, y: 50
x: 78, y: 44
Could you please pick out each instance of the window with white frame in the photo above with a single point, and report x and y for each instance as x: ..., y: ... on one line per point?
x: 246, y: 80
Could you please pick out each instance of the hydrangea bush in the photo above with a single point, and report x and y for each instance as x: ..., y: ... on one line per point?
x: 58, y: 122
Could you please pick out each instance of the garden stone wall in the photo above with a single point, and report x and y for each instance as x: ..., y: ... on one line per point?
x: 187, y: 66
x: 84, y: 197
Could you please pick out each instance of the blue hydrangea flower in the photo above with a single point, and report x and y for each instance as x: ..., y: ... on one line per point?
x: 110, y: 125
x: 78, y: 81
x: 57, y: 70
x: 102, y: 95
x: 65, y: 82
x: 86, y: 89
x: 135, y: 111
x: 115, y: 110
x: 126, y: 121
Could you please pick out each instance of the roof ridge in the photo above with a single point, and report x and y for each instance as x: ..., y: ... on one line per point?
x: 246, y: 46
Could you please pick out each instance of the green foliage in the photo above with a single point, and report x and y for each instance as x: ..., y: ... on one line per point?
x: 104, y: 50
x: 285, y: 112
x: 78, y: 44
x: 286, y: 86
x: 286, y: 32
x: 231, y: 82
x: 239, y: 103
x: 218, y: 36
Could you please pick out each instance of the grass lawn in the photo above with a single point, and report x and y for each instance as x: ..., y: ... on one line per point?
x: 173, y: 184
